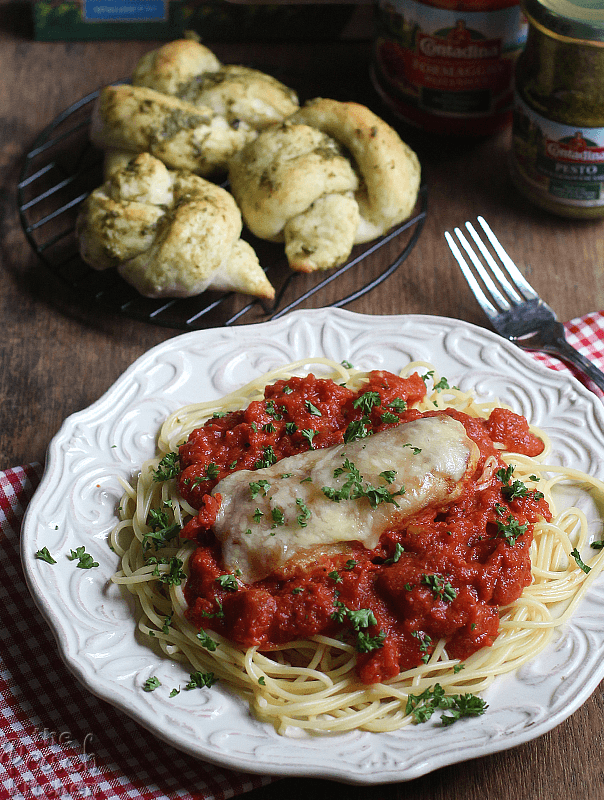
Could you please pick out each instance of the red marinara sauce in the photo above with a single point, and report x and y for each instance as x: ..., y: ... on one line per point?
x: 443, y: 574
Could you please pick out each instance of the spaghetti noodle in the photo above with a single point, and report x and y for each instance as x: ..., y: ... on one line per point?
x: 313, y: 683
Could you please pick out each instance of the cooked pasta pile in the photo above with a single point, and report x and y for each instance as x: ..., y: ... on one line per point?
x: 312, y: 684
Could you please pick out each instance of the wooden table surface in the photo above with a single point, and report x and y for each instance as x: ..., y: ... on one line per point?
x: 58, y: 355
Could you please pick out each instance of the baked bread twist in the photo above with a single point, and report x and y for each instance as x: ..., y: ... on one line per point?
x: 187, y: 109
x: 135, y: 119
x: 190, y: 71
x: 169, y: 233
x: 331, y: 176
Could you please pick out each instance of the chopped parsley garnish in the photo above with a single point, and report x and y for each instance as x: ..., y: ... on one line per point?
x: 398, y: 404
x: 228, y: 582
x: 297, y: 590
x: 423, y: 706
x: 151, y: 684
x: 346, y: 364
x: 335, y: 576
x: 416, y: 450
x: 278, y: 516
x: 206, y: 641
x: 214, y: 614
x: 44, y: 555
x: 353, y: 488
x: 398, y: 552
x: 388, y: 418
x: 575, y: 554
x: 366, y: 643
x: 201, y: 680
x: 441, y: 588
x: 514, y: 489
x: 309, y: 435
x: 388, y: 475
x: 257, y: 516
x: 350, y: 564
x: 312, y: 409
x: 167, y: 468
x: 174, y: 692
x: 363, y: 618
x: 425, y: 642
x: 262, y: 680
x: 305, y: 513
x: 161, y: 529
x: 272, y: 410
x: 511, y: 530
x: 287, y: 389
x: 367, y: 401
x: 359, y: 619
x: 268, y: 458
x: 597, y: 545
x: 174, y: 576
x: 269, y: 428
x: 357, y: 429
x: 443, y: 383
x: 290, y: 427
x: 212, y: 471
x: 218, y: 414
x: 259, y: 487
x: 85, y: 560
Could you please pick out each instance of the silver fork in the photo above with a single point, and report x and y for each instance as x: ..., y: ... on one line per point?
x: 514, y: 308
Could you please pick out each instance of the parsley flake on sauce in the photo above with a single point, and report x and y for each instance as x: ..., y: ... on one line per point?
x: 268, y: 458
x: 309, y: 435
x: 228, y: 582
x: 44, y: 555
x: 367, y: 401
x: 441, y: 588
x: 312, y: 409
x: 511, y: 530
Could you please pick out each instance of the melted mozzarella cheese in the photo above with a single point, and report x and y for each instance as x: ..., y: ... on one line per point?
x: 273, y: 515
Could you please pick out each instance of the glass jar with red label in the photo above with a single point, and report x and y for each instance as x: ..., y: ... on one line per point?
x: 448, y: 66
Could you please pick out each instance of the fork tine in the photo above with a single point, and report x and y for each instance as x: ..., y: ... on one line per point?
x: 490, y: 285
x: 519, y: 280
x: 495, y: 268
x: 488, y: 308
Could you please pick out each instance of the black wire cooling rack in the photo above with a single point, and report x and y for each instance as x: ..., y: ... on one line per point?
x: 62, y: 168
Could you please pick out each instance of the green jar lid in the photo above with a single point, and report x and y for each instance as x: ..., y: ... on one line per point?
x: 572, y: 19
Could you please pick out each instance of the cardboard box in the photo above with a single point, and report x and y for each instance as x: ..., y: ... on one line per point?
x: 212, y: 20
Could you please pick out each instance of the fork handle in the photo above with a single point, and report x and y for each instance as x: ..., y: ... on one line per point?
x: 567, y: 352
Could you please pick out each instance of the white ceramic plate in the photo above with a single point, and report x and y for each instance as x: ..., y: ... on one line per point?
x: 77, y: 499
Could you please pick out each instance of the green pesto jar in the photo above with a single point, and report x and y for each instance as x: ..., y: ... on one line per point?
x: 557, y: 154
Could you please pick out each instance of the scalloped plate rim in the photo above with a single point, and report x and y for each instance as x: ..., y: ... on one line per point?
x: 102, y: 689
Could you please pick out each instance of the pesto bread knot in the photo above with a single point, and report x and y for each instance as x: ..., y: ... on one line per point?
x: 330, y: 176
x: 190, y: 71
x: 136, y: 119
x: 169, y: 233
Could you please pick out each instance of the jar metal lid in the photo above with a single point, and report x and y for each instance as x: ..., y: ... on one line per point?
x: 571, y: 19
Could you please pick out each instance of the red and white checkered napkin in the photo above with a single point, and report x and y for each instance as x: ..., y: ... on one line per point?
x: 587, y: 335
x: 57, y: 740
